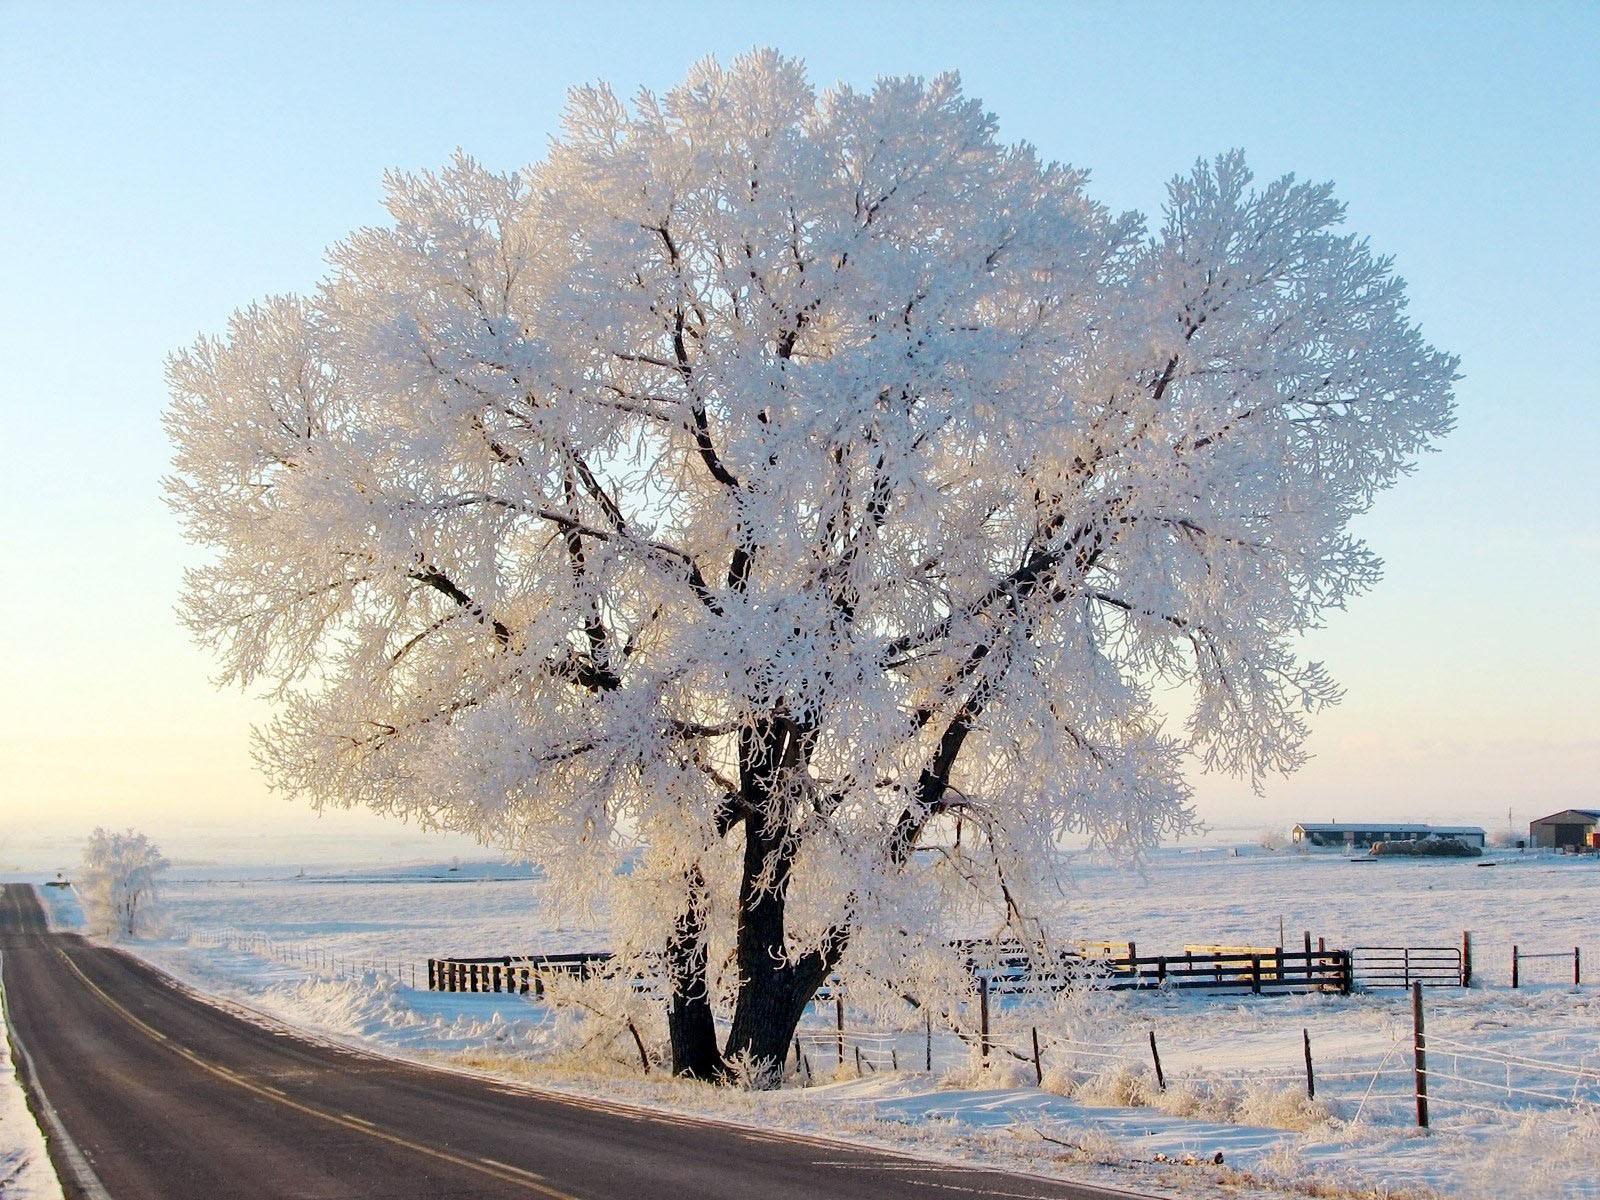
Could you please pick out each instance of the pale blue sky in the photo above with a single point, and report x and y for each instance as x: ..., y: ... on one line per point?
x: 162, y: 164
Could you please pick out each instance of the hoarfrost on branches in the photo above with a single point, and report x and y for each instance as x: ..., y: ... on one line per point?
x: 806, y: 494
x: 118, y: 882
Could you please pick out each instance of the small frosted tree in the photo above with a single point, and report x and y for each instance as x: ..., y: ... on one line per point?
x: 118, y: 882
x: 805, y: 495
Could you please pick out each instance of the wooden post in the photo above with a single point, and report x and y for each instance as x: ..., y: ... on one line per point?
x: 1311, y: 1079
x: 1255, y: 973
x: 1038, y: 1071
x: 858, y: 1061
x: 983, y: 1016
x: 1513, y: 965
x: 1161, y: 1078
x: 433, y: 968
x: 1466, y: 958
x: 927, y: 1017
x: 1419, y: 1050
x: 1308, y: 945
x: 838, y: 1008
x: 1577, y: 967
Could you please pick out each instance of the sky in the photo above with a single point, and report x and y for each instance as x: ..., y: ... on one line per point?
x: 162, y: 164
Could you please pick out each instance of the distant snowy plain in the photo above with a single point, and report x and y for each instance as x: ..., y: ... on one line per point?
x: 1516, y: 1074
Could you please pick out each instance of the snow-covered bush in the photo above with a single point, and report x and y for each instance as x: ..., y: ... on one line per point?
x: 1272, y: 838
x: 117, y: 883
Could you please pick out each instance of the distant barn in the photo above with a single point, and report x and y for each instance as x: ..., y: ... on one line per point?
x: 1362, y: 837
x: 1569, y: 829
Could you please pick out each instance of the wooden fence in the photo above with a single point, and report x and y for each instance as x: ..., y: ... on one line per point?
x: 1008, y: 968
x: 524, y: 973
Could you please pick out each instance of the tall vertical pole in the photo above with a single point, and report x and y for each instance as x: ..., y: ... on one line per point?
x: 1419, y: 1049
x: 1311, y: 1079
x: 838, y: 1008
x: 1466, y: 958
x: 983, y: 1015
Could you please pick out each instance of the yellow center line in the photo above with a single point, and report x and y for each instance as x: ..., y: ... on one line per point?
x: 504, y: 1172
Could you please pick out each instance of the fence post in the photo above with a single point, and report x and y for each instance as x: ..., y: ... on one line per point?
x: 838, y: 1008
x: 927, y: 1017
x: 1255, y: 974
x: 1419, y: 1050
x: 1038, y: 1071
x: 1577, y: 969
x: 1466, y: 958
x: 1161, y: 1078
x: 983, y: 1016
x: 1513, y: 964
x: 1311, y: 1079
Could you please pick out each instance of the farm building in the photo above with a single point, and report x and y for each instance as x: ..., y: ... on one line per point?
x: 1362, y: 837
x: 1571, y: 827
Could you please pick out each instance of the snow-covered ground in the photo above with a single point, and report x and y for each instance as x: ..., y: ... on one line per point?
x: 1516, y: 1074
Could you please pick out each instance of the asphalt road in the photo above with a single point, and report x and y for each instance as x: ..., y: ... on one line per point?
x: 153, y: 1093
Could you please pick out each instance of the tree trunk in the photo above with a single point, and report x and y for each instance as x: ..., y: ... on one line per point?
x: 690, y: 1029
x: 773, y: 990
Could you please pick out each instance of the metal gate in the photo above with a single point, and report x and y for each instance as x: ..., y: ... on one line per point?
x: 1401, y: 966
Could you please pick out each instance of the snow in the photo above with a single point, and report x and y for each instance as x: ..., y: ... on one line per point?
x: 334, y: 953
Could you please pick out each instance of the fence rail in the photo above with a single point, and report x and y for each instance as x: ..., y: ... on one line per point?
x: 1401, y: 966
x: 1009, y: 970
x: 511, y: 973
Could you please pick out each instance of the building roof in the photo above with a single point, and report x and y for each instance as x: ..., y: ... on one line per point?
x: 1588, y: 813
x: 1383, y: 826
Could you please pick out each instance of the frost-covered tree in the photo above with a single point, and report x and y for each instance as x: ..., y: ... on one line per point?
x: 117, y: 883
x: 773, y: 486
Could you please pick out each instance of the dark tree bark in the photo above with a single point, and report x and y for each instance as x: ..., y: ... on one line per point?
x: 690, y: 1028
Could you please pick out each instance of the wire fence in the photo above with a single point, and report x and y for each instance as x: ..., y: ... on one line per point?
x: 1461, y: 1076
x: 310, y: 956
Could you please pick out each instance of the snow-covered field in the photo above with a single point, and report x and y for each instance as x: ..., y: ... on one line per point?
x: 1515, y: 1074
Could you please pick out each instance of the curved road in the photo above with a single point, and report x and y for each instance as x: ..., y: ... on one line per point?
x: 153, y: 1093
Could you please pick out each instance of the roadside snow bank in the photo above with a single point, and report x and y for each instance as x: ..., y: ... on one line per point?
x: 25, y: 1170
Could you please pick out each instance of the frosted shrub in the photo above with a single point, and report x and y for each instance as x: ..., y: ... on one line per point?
x: 1281, y: 1108
x: 998, y: 1071
x: 1119, y: 1087
x: 1060, y: 1080
x: 1197, y: 1101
